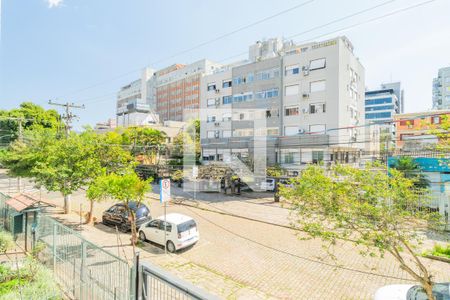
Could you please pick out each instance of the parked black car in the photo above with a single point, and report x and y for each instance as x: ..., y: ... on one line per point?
x: 117, y: 215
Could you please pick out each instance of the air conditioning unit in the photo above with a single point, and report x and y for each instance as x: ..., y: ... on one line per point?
x: 305, y: 95
x: 305, y: 110
x: 301, y: 131
x: 217, y: 91
x: 217, y: 124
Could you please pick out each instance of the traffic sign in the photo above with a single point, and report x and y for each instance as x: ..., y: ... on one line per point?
x: 164, y: 187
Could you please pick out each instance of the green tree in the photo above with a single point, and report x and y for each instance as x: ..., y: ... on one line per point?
x: 275, y: 171
x: 188, y: 138
x: 410, y: 169
x: 68, y: 164
x: 112, y: 158
x: 33, y: 116
x: 123, y: 187
x: 376, y: 211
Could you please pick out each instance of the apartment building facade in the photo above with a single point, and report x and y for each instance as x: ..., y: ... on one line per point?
x: 415, y: 131
x: 310, y: 99
x: 441, y: 89
x: 136, y: 100
x: 178, y: 90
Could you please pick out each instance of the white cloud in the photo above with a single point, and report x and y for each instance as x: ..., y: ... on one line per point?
x: 54, y: 3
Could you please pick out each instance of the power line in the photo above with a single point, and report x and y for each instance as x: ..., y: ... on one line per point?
x: 198, y: 45
x: 68, y: 116
x: 350, y: 26
x: 342, y: 19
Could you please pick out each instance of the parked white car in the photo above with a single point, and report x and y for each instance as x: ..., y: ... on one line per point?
x: 181, y: 231
x: 411, y: 292
x: 268, y: 185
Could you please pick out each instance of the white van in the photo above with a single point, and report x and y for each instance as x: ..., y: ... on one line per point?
x: 181, y: 231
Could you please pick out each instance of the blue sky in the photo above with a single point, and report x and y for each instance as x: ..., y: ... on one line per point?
x: 49, y: 49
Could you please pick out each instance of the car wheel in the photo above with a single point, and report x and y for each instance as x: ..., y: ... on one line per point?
x: 142, y: 236
x: 171, y: 247
x: 124, y: 228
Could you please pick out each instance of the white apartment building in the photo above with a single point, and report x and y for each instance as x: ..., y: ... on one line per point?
x: 136, y: 101
x: 311, y: 97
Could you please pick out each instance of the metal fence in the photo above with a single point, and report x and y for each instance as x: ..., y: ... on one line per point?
x: 84, y: 270
x: 155, y: 283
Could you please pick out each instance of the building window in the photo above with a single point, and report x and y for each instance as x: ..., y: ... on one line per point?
x: 379, y: 101
x: 317, y: 156
x: 291, y: 70
x: 211, y: 119
x: 227, y: 99
x: 268, y: 74
x: 317, y: 108
x: 404, y: 123
x: 211, y: 134
x: 380, y: 115
x: 436, y: 120
x: 243, y: 97
x: 226, y: 133
x: 317, y: 86
x: 291, y: 90
x: 290, y: 130
x: 382, y: 107
x: 267, y: 94
x: 249, y: 78
x: 317, y: 64
x: 211, y: 86
x: 211, y: 102
x: 317, y: 129
x: 226, y: 117
x: 291, y: 111
x: 226, y: 83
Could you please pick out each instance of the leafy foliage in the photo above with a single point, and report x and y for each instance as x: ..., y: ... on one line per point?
x: 123, y: 187
x: 6, y: 241
x: 412, y: 170
x: 35, y: 281
x: 376, y: 211
x: 188, y: 138
x: 35, y: 118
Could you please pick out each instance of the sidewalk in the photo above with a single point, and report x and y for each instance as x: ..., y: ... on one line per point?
x: 253, y: 206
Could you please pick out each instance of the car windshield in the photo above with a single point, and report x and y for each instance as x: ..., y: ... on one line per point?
x: 142, y: 211
x: 441, y: 291
x: 186, y: 226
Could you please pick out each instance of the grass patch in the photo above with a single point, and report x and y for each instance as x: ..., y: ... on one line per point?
x: 439, y: 250
x: 31, y: 281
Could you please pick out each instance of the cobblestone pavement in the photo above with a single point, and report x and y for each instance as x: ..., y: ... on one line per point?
x: 244, y: 259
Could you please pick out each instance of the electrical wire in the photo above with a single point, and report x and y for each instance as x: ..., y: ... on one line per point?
x: 196, y: 46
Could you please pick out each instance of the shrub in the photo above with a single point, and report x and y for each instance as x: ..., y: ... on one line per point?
x: 441, y: 250
x: 6, y: 241
x: 36, y: 282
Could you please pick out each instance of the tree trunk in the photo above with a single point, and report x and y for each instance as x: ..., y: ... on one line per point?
x: 90, y: 218
x: 67, y: 204
x: 428, y: 287
x: 133, y: 229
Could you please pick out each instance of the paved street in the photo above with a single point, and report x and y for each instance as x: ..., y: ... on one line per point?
x: 239, y: 258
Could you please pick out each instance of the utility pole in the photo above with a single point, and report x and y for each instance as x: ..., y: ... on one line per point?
x: 68, y: 116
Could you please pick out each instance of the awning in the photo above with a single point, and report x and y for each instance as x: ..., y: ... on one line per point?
x: 21, y: 202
